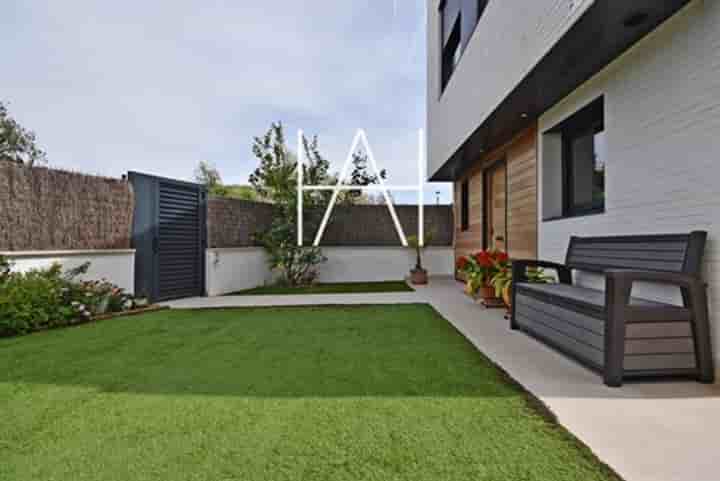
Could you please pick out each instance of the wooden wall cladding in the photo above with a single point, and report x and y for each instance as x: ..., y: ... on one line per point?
x: 522, y: 225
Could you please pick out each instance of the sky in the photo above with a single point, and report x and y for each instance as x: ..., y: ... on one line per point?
x: 157, y: 86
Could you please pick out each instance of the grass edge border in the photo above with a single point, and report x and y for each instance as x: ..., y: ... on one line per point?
x: 93, y: 320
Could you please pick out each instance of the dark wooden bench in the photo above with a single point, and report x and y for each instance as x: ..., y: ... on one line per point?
x: 611, y: 331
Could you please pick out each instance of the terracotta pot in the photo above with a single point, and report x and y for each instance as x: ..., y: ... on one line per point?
x: 419, y: 276
x: 486, y: 292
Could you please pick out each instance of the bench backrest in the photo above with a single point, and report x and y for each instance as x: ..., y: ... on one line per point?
x: 681, y: 253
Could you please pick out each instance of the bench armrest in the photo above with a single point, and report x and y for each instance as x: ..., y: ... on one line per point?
x: 520, y: 266
x: 618, y: 291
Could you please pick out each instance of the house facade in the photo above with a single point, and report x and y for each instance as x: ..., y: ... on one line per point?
x: 578, y: 118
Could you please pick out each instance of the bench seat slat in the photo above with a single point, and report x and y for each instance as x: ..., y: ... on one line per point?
x: 584, y: 297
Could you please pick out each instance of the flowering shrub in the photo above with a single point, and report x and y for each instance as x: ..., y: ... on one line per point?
x: 480, y: 267
x: 44, y: 298
x: 502, y: 280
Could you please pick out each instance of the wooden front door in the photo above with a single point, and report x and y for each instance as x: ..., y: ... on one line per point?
x: 495, y: 223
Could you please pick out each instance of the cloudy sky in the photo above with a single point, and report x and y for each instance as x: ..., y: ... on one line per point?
x: 157, y: 86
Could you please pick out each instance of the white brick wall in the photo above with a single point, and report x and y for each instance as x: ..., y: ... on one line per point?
x: 511, y: 38
x: 662, y: 121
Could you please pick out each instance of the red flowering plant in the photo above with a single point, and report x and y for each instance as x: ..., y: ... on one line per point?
x: 479, y: 268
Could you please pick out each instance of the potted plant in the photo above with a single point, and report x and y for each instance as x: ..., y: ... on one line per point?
x: 502, y: 281
x: 418, y: 274
x: 479, y: 269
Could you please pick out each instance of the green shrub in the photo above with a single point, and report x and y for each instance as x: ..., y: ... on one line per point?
x: 5, y: 266
x: 32, y: 301
x: 44, y: 298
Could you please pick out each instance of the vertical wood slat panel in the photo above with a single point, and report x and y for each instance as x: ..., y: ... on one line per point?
x: 521, y: 181
x: 522, y: 196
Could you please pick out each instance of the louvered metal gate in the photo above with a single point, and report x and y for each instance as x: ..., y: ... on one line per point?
x: 169, y: 235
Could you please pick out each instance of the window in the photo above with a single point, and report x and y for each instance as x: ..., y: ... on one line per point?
x: 451, y: 52
x: 481, y: 6
x: 458, y: 19
x: 581, y: 146
x: 585, y: 170
x: 464, y: 205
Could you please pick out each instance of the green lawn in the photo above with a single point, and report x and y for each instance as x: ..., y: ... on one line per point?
x: 330, y: 288
x: 333, y: 393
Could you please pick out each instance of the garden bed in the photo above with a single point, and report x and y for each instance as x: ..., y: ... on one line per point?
x: 90, y: 320
x: 52, y: 297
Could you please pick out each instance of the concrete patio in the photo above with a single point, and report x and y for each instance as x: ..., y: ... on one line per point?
x: 663, y: 431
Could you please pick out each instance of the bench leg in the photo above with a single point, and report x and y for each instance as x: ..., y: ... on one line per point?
x: 513, y: 298
x: 613, y: 380
x: 617, y: 294
x: 701, y: 334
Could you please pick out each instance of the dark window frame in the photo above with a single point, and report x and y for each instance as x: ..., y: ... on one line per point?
x: 586, y: 120
x: 465, y: 205
x: 447, y: 52
x: 481, y: 6
x: 570, y: 207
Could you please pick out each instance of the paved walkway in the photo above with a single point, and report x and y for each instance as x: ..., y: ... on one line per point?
x: 668, y: 431
x: 297, y: 300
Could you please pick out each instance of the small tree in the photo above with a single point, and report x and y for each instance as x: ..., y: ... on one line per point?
x: 276, y: 179
x: 17, y: 144
x: 244, y: 192
x: 360, y: 176
x: 209, y: 176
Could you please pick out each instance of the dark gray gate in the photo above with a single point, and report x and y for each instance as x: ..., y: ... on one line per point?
x: 169, y: 235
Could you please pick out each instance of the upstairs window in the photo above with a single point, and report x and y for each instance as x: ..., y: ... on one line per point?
x: 458, y: 19
x: 451, y: 52
x: 481, y: 6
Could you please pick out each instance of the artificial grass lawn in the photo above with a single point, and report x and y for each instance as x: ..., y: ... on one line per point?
x: 366, y: 392
x: 329, y: 288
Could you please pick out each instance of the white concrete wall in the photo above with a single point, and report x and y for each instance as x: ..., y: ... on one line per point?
x: 662, y: 123
x: 368, y: 264
x: 235, y: 269
x: 509, y: 40
x: 116, y: 266
x: 230, y: 270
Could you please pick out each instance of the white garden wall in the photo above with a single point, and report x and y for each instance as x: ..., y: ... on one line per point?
x: 234, y: 269
x: 662, y: 125
x: 116, y: 265
x: 230, y: 270
x: 368, y: 264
